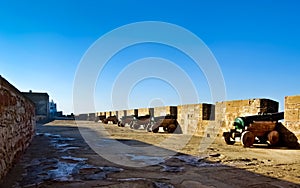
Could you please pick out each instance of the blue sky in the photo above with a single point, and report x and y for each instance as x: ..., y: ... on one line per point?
x: 256, y: 43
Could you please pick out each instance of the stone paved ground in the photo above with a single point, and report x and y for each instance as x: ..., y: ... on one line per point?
x: 60, y: 157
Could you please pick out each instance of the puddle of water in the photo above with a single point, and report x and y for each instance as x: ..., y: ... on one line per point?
x: 65, y: 139
x: 195, y: 161
x: 163, y: 185
x: 63, y: 171
x: 167, y: 168
x: 62, y: 145
x: 148, y: 160
x: 55, y: 136
x: 69, y: 148
x: 59, y: 142
x: 67, y: 169
x: 76, y: 159
x: 52, y: 135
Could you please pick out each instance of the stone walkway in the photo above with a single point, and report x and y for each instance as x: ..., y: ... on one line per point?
x: 60, y: 157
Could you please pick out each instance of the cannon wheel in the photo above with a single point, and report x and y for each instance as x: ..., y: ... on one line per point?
x: 247, y: 138
x: 228, y: 140
x: 155, y: 128
x: 273, y: 137
x: 171, y: 128
x: 136, y: 126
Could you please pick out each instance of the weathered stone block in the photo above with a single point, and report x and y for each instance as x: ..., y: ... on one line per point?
x: 291, y: 115
x: 132, y: 112
x: 292, y: 99
x: 161, y: 111
x: 227, y: 111
x: 17, y: 118
x: 143, y: 111
x: 292, y: 105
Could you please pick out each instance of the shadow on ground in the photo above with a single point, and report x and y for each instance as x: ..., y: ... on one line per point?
x: 59, y: 156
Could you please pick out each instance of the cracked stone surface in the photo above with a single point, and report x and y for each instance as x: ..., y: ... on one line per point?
x: 60, y: 157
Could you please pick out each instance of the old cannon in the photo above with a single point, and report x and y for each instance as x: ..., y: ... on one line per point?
x: 168, y: 123
x: 100, y: 118
x: 259, y: 128
x: 112, y: 119
x: 126, y: 120
x: 139, y: 121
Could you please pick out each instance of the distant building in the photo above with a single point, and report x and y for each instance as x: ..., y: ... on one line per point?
x: 41, y: 101
x: 52, y: 109
x: 59, y: 114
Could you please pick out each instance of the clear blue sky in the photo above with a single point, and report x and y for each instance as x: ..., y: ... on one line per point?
x: 256, y: 43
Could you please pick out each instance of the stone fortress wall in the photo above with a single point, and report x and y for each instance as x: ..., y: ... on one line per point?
x: 17, y: 124
x: 292, y: 114
x: 195, y: 118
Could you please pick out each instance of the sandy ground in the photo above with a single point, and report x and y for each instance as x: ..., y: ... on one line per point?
x: 88, y: 154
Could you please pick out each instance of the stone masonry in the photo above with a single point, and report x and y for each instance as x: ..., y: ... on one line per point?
x: 132, y: 112
x: 165, y: 110
x: 214, y: 119
x: 41, y: 101
x: 17, y: 122
x: 143, y: 111
x: 194, y: 118
x: 292, y: 114
x: 227, y: 111
x: 121, y: 113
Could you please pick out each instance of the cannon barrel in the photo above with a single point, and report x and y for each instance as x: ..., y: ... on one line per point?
x: 164, y: 117
x: 242, y: 122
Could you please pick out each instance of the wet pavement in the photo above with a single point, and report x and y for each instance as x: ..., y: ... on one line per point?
x: 65, y: 168
x: 59, y: 157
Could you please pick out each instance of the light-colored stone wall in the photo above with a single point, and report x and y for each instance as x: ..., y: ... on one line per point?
x: 121, y: 113
x: 165, y: 110
x: 111, y: 113
x: 193, y: 118
x: 17, y: 122
x: 143, y: 111
x: 130, y: 112
x: 161, y: 111
x: 227, y: 111
x: 101, y: 113
x: 292, y: 114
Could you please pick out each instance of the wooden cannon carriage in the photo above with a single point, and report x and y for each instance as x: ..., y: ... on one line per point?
x: 169, y: 124
x: 141, y: 121
x: 126, y: 120
x: 259, y: 128
x: 112, y: 119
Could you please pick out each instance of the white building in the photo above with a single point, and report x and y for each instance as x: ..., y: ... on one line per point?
x: 52, y: 109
